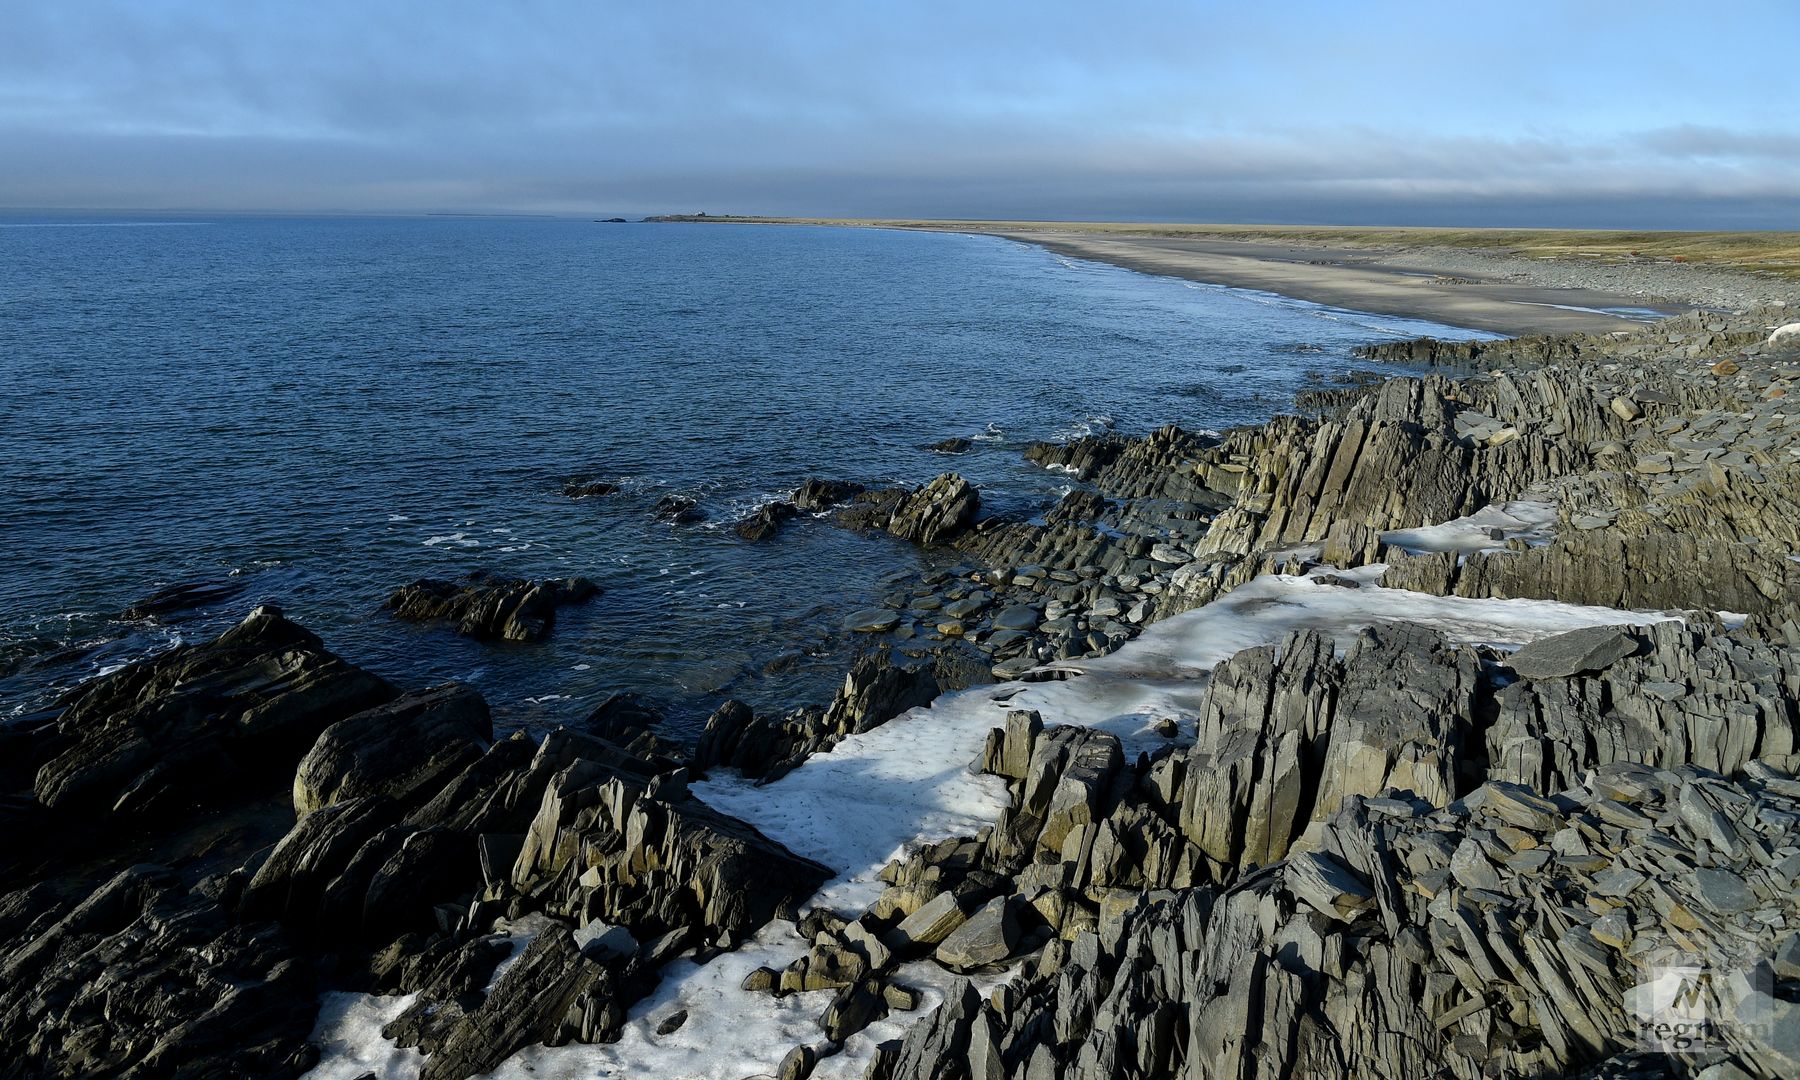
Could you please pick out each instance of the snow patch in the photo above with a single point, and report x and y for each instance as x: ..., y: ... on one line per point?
x: 1488, y: 529
x: 911, y: 781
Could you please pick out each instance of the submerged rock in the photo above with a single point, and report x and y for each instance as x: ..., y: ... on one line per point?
x: 589, y: 489
x: 489, y: 608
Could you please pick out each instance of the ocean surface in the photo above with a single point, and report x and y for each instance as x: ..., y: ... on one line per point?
x: 313, y: 412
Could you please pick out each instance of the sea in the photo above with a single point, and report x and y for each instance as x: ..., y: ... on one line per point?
x: 312, y: 412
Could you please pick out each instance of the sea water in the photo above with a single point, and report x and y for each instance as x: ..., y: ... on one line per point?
x: 313, y: 412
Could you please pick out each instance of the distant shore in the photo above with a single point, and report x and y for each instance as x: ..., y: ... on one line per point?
x: 1511, y: 282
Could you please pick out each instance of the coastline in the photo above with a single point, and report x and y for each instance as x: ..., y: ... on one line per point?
x: 1508, y: 281
x: 1196, y: 760
x: 1354, y: 280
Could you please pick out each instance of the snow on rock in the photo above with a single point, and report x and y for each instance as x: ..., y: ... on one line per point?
x: 911, y: 781
x: 1487, y: 529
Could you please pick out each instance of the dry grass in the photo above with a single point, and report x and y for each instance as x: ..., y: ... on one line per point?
x: 1774, y: 253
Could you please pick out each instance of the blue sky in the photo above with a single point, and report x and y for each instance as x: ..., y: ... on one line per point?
x: 1611, y: 114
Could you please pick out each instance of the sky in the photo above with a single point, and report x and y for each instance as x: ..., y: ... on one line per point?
x: 1595, y: 113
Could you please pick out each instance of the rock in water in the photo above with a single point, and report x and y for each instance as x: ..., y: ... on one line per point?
x: 955, y: 445
x: 766, y: 521
x: 200, y: 724
x: 589, y: 489
x: 411, y: 744
x: 488, y: 608
x: 936, y: 512
x: 1578, y: 652
x: 677, y: 510
x: 186, y: 597
x: 816, y: 494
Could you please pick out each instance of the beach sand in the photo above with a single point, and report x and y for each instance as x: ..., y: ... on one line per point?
x: 1409, y: 284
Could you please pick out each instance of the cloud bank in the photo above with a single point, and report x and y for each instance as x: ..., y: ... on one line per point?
x: 1382, y: 112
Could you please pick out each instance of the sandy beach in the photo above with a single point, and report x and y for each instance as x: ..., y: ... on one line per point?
x: 1413, y: 284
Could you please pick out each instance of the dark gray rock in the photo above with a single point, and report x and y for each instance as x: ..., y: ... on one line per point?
x: 405, y: 748
x: 1577, y: 652
x: 986, y: 937
x: 490, y: 608
x: 200, y: 725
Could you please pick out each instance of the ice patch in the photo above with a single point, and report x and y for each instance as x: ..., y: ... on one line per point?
x: 1487, y: 529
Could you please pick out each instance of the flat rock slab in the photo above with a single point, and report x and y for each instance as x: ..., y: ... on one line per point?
x: 1593, y: 648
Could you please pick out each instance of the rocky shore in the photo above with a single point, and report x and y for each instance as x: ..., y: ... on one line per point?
x: 1449, y: 729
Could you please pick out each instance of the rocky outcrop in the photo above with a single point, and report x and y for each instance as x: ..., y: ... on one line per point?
x: 199, y: 725
x: 935, y: 512
x: 491, y: 609
x: 654, y: 861
x: 1682, y: 695
x: 767, y: 747
x: 148, y: 977
x: 1503, y: 933
x: 415, y: 742
x: 766, y: 521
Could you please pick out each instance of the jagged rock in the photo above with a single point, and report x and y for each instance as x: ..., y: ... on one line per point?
x: 406, y: 747
x: 954, y: 445
x: 200, y: 724
x: 1288, y: 733
x: 1576, y: 652
x: 935, y: 512
x: 1685, y: 695
x: 816, y: 494
x: 766, y: 521
x: 146, y: 978
x: 601, y: 847
x: 490, y: 608
x: 986, y: 937
x: 540, y: 996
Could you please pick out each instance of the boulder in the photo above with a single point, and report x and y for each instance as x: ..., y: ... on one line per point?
x: 489, y: 608
x: 935, y: 512
x: 406, y: 748
x: 200, y: 725
x: 987, y: 937
x: 1577, y: 652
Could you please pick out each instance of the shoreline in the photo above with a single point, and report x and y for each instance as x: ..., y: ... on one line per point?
x: 1498, y: 281
x: 1350, y: 280
x: 1196, y: 759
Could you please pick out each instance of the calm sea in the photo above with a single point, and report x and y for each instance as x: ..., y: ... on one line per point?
x: 320, y: 410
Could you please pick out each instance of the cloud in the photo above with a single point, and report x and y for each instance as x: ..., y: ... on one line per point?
x: 1155, y: 109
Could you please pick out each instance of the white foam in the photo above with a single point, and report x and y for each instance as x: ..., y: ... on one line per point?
x: 1522, y: 519
x: 457, y: 539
